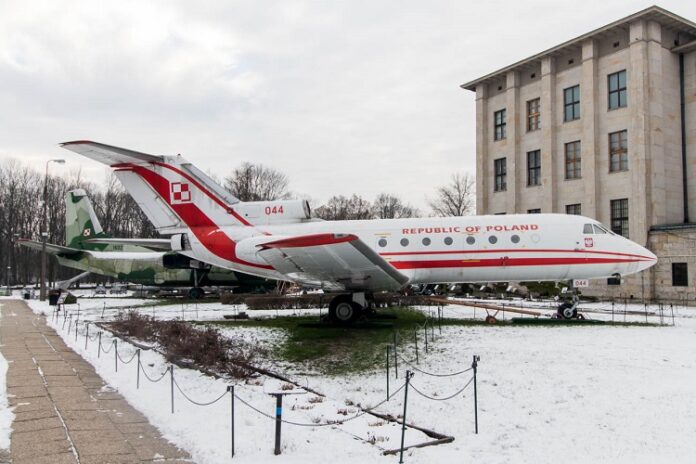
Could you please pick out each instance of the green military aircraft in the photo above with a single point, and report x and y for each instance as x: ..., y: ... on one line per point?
x: 139, y: 261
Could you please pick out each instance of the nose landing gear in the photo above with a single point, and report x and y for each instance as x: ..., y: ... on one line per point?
x: 569, y: 310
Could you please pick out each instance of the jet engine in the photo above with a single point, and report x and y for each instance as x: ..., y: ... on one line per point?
x: 274, y: 212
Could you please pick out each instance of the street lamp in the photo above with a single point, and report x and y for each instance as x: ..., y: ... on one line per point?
x: 44, y: 233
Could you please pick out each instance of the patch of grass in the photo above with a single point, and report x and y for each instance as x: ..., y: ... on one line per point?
x: 334, y: 350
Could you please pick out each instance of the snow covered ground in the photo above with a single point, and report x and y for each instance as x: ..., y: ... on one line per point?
x: 546, y: 394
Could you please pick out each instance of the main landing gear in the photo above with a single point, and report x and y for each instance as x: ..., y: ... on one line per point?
x: 347, y: 309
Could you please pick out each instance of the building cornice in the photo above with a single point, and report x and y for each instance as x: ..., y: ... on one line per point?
x: 655, y: 13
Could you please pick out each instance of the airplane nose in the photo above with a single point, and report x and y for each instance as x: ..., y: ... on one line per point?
x: 650, y: 258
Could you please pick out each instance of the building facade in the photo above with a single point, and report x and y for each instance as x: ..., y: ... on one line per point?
x: 603, y: 125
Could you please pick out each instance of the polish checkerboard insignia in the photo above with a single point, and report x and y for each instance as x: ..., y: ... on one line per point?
x: 179, y: 193
x: 589, y: 243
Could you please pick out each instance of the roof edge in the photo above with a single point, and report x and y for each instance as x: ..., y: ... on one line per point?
x: 471, y: 85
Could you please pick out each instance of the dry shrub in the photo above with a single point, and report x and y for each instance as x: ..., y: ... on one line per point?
x: 134, y: 324
x: 205, y: 347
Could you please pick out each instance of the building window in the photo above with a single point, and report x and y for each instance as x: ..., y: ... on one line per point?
x: 617, y: 90
x: 618, y: 151
x: 500, y: 166
x: 499, y: 122
x: 573, y: 160
x: 571, y: 103
x: 680, y: 275
x: 534, y: 167
x: 533, y: 115
x: 575, y: 208
x: 619, y: 216
x: 534, y: 211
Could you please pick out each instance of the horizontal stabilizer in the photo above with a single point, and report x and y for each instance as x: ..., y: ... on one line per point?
x: 50, y: 247
x: 152, y: 243
x: 108, y: 154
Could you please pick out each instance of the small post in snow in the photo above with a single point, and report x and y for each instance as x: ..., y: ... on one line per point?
x: 76, y: 329
x: 230, y: 389
x: 137, y: 375
x: 388, y: 354
x: 396, y: 363
x: 99, y: 347
x: 103, y: 309
x: 116, y: 353
x: 409, y: 374
x: 474, y: 366
x: 278, y: 419
x: 171, y: 375
x: 86, y: 334
x: 415, y: 338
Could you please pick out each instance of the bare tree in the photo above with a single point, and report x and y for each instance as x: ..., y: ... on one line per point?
x: 340, y: 208
x: 256, y: 182
x: 455, y: 198
x: 388, y: 206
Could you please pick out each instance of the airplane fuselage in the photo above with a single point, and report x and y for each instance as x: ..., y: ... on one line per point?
x: 455, y: 249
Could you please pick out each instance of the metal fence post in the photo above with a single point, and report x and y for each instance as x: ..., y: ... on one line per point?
x: 171, y: 375
x: 86, y: 335
x: 231, y: 390
x: 409, y: 374
x: 278, y: 415
x: 116, y: 353
x: 388, y: 374
x: 474, y: 366
x: 137, y: 375
x: 99, y: 348
x: 415, y: 337
x: 396, y: 363
x: 76, y: 329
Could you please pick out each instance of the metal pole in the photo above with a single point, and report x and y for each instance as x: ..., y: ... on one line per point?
x: 388, y: 372
x: 231, y: 390
x: 99, y: 348
x: 137, y: 375
x: 425, y: 333
x: 671, y: 308
x: 86, y: 334
x: 69, y: 324
x: 116, y: 353
x: 415, y: 337
x: 42, y: 289
x: 409, y: 374
x: 76, y: 329
x: 103, y: 309
x: 171, y: 375
x: 279, y: 413
x: 474, y: 366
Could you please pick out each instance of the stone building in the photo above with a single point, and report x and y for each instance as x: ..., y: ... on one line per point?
x: 603, y: 125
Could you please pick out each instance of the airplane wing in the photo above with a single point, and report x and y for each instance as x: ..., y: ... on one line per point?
x: 108, y: 154
x: 50, y: 247
x: 153, y: 243
x: 333, y: 262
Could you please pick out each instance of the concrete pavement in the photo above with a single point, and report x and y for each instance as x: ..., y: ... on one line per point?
x: 64, y: 411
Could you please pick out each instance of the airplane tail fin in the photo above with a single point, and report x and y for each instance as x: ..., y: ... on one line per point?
x: 81, y: 222
x: 172, y: 192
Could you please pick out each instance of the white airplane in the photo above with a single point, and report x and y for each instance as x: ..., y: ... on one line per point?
x: 279, y: 239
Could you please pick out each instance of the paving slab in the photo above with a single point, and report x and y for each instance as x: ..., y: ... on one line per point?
x: 64, y: 412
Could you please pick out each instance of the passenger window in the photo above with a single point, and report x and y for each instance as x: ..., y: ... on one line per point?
x: 426, y: 241
x: 470, y: 240
x: 587, y: 229
x: 382, y: 242
x: 493, y: 239
x: 599, y: 230
x: 448, y: 240
x: 404, y: 242
x: 515, y: 239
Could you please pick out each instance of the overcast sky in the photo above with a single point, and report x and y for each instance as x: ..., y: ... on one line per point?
x: 344, y: 97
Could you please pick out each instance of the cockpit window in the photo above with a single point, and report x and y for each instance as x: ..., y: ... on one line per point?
x: 599, y: 229
x: 587, y: 229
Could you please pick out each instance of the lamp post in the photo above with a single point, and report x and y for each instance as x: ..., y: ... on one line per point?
x: 44, y: 233
x: 9, y: 292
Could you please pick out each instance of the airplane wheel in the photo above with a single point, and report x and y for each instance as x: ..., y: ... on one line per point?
x: 566, y: 311
x: 491, y: 319
x: 196, y: 293
x: 342, y: 310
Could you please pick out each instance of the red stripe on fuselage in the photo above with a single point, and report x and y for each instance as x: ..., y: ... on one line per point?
x: 520, y: 250
x: 207, y: 232
x: 504, y: 262
x: 310, y: 241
